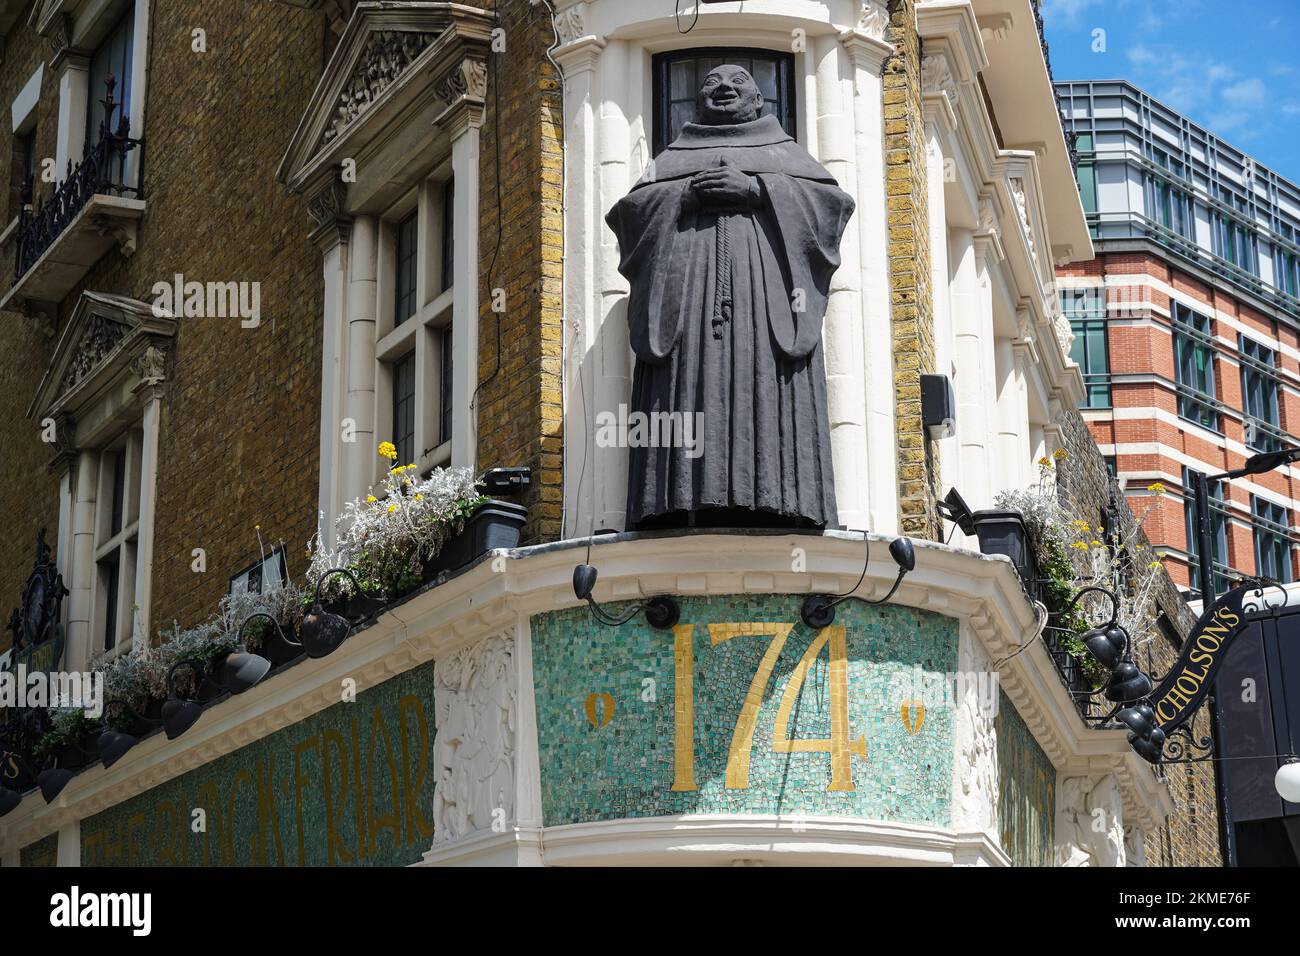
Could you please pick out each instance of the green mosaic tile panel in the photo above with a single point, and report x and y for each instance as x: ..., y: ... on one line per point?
x: 44, y: 852
x: 350, y: 785
x: 598, y: 765
x: 1026, y: 791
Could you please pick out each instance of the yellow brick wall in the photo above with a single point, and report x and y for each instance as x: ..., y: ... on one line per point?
x: 911, y: 308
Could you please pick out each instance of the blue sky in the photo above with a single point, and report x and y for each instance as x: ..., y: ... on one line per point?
x: 1233, y: 67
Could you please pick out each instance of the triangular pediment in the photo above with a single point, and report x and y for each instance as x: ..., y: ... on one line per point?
x: 104, y: 337
x: 387, y: 56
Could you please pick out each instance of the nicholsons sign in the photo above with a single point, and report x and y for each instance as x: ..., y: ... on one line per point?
x: 351, y: 785
x: 1192, y: 677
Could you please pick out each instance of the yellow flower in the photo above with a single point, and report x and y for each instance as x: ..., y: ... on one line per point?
x: 1045, y: 462
x: 1096, y: 543
x: 419, y: 497
x: 1155, y: 564
x: 371, y: 498
x: 1156, y: 488
x: 1060, y: 453
x: 1080, y: 545
x: 392, y: 508
x: 388, y: 450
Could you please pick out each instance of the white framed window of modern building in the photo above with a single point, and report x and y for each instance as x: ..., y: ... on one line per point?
x: 1260, y: 389
x: 414, y: 351
x: 1272, y: 534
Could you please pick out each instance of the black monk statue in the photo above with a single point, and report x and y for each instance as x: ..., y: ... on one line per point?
x: 729, y: 243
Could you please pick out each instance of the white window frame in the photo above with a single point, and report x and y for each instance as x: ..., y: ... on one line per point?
x: 124, y: 545
x: 421, y: 332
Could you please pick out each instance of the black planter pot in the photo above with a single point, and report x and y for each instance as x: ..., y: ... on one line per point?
x: 1003, y: 532
x: 495, y: 524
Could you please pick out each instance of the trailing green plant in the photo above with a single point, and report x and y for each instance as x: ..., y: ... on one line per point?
x: 386, y: 537
x: 68, y: 726
x: 127, y: 685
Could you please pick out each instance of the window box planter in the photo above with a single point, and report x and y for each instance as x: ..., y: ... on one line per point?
x: 494, y: 524
x: 1003, y: 532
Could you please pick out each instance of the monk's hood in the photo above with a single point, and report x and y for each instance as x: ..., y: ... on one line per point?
x: 759, y: 146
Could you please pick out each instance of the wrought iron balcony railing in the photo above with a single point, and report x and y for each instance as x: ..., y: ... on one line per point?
x: 102, y: 171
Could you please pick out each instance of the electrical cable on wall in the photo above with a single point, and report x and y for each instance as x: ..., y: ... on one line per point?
x: 677, y: 16
x: 496, y: 249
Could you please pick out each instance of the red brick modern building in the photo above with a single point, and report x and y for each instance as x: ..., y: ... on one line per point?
x: 1186, y: 326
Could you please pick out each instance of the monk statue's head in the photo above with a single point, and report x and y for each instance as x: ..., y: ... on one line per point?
x: 729, y: 95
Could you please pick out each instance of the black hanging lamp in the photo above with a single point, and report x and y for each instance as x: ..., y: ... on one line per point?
x: 322, y: 631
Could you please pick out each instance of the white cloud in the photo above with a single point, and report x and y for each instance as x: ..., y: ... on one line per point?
x: 1246, y: 94
x: 1065, y: 12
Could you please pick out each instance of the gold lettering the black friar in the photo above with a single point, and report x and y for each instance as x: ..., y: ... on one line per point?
x: 370, y: 790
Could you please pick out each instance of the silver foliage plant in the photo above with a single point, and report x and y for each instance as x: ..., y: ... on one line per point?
x: 404, y: 522
x: 1121, y: 560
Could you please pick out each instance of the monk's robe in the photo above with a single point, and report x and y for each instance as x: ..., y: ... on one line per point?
x: 725, y: 318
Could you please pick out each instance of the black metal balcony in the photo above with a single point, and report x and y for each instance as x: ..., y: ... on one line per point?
x: 102, y: 171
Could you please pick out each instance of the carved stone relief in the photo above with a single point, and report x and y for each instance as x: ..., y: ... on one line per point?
x: 100, y: 337
x: 1089, y: 822
x: 475, y: 695
x: 387, y: 55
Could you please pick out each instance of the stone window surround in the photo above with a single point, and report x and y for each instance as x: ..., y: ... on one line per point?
x: 421, y: 331
x: 120, y: 392
x: 605, y: 52
x: 75, y: 28
x: 361, y: 146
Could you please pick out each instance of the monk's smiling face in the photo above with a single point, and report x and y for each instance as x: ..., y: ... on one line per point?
x: 729, y: 95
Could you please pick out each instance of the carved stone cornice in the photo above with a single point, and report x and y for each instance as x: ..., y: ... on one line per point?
x: 327, y: 208
x: 464, y: 89
x: 936, y: 76
x: 571, y: 24
x: 873, y: 18
x: 151, y: 366
x: 64, y: 444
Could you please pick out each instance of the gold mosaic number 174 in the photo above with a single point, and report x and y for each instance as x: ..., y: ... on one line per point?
x: 837, y: 745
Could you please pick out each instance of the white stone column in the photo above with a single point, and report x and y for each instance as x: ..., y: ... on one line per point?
x: 1012, y: 423
x: 595, y: 479
x: 73, y: 70
x: 968, y: 386
x: 359, y: 402
x: 152, y: 398
x: 81, y: 596
x: 331, y: 235
x: 867, y: 52
x: 69, y: 851
x: 843, y: 326
x: 464, y: 296
x: 609, y: 353
x: 940, y: 123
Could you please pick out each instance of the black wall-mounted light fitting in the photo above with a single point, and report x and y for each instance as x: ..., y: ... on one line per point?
x: 818, y: 610
x: 954, y: 508
x: 661, y: 611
